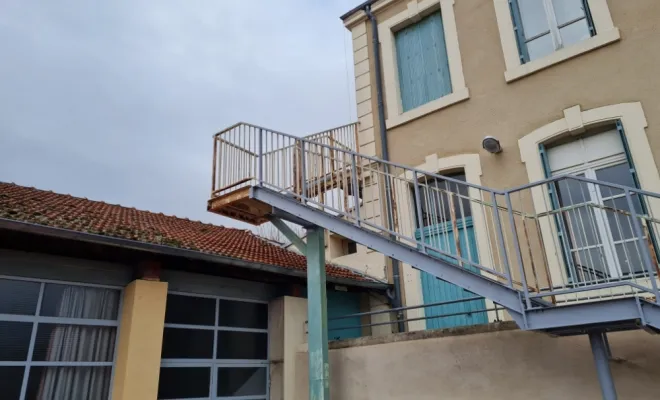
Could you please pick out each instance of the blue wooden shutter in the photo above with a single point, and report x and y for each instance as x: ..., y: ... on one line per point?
x: 421, y: 54
x: 516, y: 17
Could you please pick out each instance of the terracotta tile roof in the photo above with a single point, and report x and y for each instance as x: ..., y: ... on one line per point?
x: 42, y: 207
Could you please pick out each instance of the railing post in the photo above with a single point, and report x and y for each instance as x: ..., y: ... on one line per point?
x: 260, y: 158
x: 356, y: 189
x: 500, y: 239
x: 303, y: 172
x: 418, y: 206
x: 215, y: 165
x: 642, y: 244
x: 516, y: 245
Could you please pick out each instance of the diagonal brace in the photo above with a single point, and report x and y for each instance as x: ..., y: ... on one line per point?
x: 289, y: 234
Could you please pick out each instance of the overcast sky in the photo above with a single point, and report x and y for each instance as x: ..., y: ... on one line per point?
x: 117, y: 100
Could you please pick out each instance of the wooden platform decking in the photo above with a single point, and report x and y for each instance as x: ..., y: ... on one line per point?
x: 235, y: 201
x: 238, y: 205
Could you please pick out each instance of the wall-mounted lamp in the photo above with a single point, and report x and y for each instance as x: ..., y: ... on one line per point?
x: 491, y: 145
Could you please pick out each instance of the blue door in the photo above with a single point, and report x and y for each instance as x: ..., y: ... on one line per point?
x: 439, y: 233
x: 340, y: 304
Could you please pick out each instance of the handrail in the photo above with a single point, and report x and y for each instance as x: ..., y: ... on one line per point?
x: 526, y: 246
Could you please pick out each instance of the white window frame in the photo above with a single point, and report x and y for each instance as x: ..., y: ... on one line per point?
x: 386, y: 31
x: 214, y: 363
x: 606, y: 33
x: 600, y: 218
x: 36, y: 319
x: 576, y: 121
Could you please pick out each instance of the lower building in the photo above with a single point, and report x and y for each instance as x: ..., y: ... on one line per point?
x: 101, y: 301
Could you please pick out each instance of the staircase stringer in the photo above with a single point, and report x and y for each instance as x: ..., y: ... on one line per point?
x: 496, y: 291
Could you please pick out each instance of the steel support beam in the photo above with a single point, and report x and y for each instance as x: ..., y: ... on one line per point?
x: 319, y: 369
x: 602, y: 361
x: 478, y: 284
x: 594, y: 313
x: 289, y: 234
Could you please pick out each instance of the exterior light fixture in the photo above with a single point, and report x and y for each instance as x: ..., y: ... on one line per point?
x: 491, y: 145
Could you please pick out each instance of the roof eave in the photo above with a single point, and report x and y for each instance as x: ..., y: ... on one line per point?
x: 173, y: 251
x: 356, y: 9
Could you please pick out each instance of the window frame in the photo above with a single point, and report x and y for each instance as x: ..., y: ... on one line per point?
x: 516, y: 66
x: 554, y: 27
x: 37, y: 319
x: 387, y: 29
x: 213, y: 364
x: 633, y: 123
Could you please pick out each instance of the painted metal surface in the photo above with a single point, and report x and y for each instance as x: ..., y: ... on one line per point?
x: 513, y: 228
x: 435, y: 290
x: 601, y: 358
x: 422, y: 61
x: 483, y: 286
x: 340, y: 304
x: 319, y: 369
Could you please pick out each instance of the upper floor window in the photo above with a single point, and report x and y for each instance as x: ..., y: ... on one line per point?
x: 422, y: 68
x: 537, y: 34
x: 422, y: 62
x: 545, y: 26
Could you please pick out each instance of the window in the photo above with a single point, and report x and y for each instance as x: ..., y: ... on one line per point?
x: 57, y: 340
x: 537, y: 34
x: 422, y: 62
x: 545, y: 26
x: 218, y: 351
x: 601, y: 243
x: 437, y: 196
x: 351, y: 247
x: 422, y: 67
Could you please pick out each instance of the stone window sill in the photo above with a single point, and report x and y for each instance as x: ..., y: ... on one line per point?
x: 593, y: 43
x: 435, y: 105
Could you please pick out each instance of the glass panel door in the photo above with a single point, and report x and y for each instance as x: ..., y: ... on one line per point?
x: 584, y: 230
x: 618, y: 218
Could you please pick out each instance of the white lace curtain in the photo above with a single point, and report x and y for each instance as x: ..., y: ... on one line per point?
x: 73, y: 343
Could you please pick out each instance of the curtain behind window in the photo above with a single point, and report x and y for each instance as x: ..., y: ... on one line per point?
x: 81, y: 343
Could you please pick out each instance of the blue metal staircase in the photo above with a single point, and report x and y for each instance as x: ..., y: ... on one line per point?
x: 557, y: 261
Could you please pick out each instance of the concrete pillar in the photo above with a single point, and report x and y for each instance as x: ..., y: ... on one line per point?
x: 287, y: 332
x: 379, y: 303
x: 140, y: 341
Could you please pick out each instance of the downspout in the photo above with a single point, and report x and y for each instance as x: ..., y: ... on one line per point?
x: 385, y: 155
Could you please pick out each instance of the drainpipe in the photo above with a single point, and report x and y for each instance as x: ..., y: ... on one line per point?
x: 385, y: 155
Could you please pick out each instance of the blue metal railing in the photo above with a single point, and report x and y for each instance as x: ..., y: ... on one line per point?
x: 516, y: 229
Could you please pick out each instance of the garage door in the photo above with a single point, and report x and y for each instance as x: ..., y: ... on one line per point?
x: 214, y: 348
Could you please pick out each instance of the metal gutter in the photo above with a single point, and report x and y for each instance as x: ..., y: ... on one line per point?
x: 385, y: 155
x: 358, y: 8
x: 27, y: 227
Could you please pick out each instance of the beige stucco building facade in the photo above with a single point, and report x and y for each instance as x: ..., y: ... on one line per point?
x: 610, y: 76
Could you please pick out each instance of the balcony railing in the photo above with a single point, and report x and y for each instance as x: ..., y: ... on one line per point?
x: 550, y: 239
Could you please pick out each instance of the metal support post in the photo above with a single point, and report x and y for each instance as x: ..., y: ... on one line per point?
x: 607, y: 346
x: 289, y: 234
x: 599, y: 350
x: 319, y: 369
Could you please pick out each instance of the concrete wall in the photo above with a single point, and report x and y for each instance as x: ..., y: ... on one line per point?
x: 622, y: 71
x: 507, y: 364
x: 137, y: 368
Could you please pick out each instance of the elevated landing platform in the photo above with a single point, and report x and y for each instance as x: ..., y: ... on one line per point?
x: 238, y: 205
